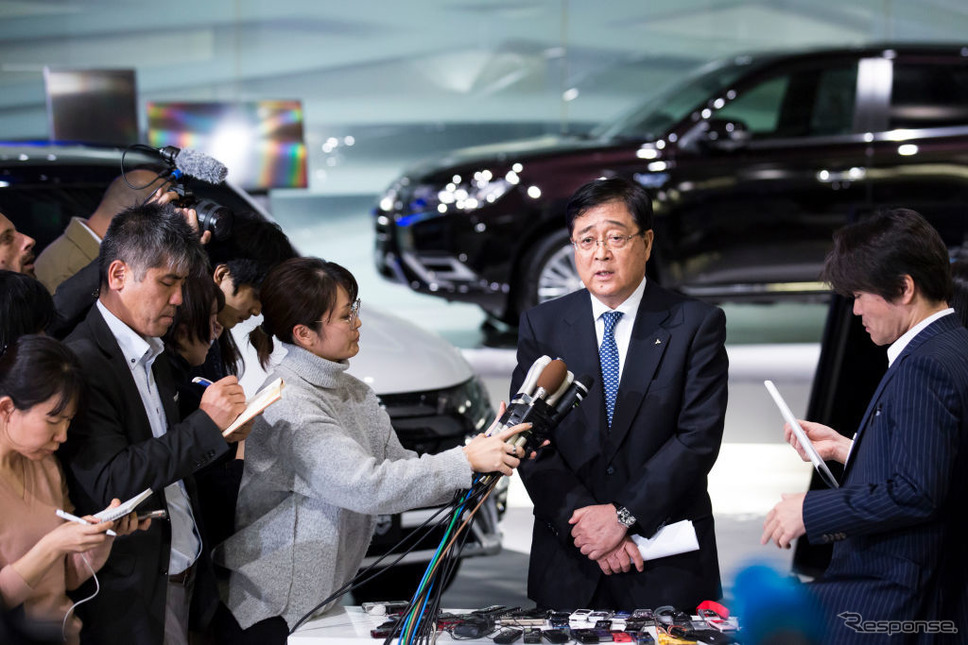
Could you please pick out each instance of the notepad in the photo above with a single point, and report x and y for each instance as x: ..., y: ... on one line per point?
x: 257, y: 404
x: 110, y: 514
x: 807, y: 445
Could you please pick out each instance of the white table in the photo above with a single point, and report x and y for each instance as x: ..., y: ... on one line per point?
x: 350, y: 626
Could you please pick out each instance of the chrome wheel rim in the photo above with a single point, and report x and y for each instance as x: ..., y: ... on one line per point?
x: 559, y: 275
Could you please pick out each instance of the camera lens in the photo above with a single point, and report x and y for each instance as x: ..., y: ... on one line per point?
x: 215, y: 218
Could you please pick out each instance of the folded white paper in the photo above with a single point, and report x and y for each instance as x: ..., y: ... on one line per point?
x: 671, y: 539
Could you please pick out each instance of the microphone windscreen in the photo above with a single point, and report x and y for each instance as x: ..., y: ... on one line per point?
x: 200, y: 166
x: 553, y: 375
x: 586, y: 381
x: 531, y: 379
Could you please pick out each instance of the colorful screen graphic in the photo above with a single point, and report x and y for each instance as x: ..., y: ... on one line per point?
x: 261, y: 142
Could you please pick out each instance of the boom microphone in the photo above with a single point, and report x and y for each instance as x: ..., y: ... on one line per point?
x: 194, y: 164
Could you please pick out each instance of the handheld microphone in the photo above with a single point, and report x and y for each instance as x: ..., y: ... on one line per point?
x: 573, y: 397
x: 194, y: 164
x: 548, y: 394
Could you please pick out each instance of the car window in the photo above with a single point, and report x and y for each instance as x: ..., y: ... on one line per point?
x: 927, y: 95
x: 802, y: 103
x: 43, y: 211
x: 674, y: 103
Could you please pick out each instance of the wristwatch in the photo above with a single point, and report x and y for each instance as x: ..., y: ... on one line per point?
x: 625, y: 518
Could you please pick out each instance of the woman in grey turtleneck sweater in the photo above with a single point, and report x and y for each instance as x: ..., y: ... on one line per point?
x: 324, y: 461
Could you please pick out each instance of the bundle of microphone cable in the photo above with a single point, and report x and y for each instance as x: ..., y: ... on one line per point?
x: 548, y: 393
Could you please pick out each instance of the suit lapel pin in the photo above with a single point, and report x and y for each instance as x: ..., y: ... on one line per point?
x: 658, y: 342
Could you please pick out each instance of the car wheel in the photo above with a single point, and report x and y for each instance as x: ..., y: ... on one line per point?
x: 397, y: 583
x: 549, y: 271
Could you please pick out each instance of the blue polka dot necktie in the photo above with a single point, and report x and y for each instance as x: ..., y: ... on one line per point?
x: 608, y: 355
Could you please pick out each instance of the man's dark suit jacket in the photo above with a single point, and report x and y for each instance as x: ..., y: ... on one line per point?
x: 110, y: 452
x: 898, y: 520
x: 666, y: 432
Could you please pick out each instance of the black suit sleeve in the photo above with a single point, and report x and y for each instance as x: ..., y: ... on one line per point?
x: 547, y: 477
x: 654, y: 493
x: 73, y: 298
x: 110, y: 451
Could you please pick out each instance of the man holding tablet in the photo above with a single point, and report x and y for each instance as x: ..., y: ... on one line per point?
x: 900, y: 561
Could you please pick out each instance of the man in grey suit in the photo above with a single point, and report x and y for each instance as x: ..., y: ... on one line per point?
x: 897, y: 521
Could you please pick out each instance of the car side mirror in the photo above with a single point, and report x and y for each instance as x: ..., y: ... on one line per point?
x: 725, y: 134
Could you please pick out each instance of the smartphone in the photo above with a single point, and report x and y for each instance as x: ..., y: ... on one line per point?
x: 558, y: 619
x: 580, y: 615
x: 384, y: 629
x: 532, y: 635
x: 644, y: 638
x: 555, y: 636
x: 385, y: 607
x: 585, y: 636
x: 507, y: 635
x: 621, y: 637
x: 153, y: 515
x: 634, y: 624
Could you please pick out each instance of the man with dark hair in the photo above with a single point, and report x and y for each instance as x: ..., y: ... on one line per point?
x: 16, y: 249
x: 128, y: 436
x: 635, y: 456
x: 239, y: 265
x: 897, y: 520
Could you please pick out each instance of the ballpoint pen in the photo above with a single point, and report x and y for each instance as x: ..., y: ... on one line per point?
x: 79, y: 520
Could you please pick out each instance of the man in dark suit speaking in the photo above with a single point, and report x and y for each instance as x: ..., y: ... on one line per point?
x: 897, y: 520
x: 635, y: 455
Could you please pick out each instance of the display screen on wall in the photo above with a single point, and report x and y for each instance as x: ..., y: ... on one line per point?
x: 261, y: 142
x: 91, y: 105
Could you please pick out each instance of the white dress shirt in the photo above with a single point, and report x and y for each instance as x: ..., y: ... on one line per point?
x: 898, y: 346
x: 140, y: 354
x: 623, y: 328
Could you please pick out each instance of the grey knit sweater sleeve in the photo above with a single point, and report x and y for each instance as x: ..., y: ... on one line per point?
x: 344, y: 452
x: 319, y: 465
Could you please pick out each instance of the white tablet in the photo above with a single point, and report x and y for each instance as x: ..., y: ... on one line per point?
x: 789, y: 417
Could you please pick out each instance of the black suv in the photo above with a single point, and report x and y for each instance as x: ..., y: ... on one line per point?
x: 432, y: 409
x: 752, y: 163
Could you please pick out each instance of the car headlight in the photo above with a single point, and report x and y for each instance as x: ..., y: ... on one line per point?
x: 468, y: 195
x: 471, y: 401
x: 461, y: 194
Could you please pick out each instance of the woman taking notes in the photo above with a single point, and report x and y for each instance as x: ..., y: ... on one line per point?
x: 324, y: 461
x: 41, y: 555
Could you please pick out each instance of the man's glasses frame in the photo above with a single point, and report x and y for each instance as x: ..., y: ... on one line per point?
x: 587, y: 243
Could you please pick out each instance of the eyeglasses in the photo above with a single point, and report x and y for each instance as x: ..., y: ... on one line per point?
x: 588, y: 243
x: 350, y: 318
